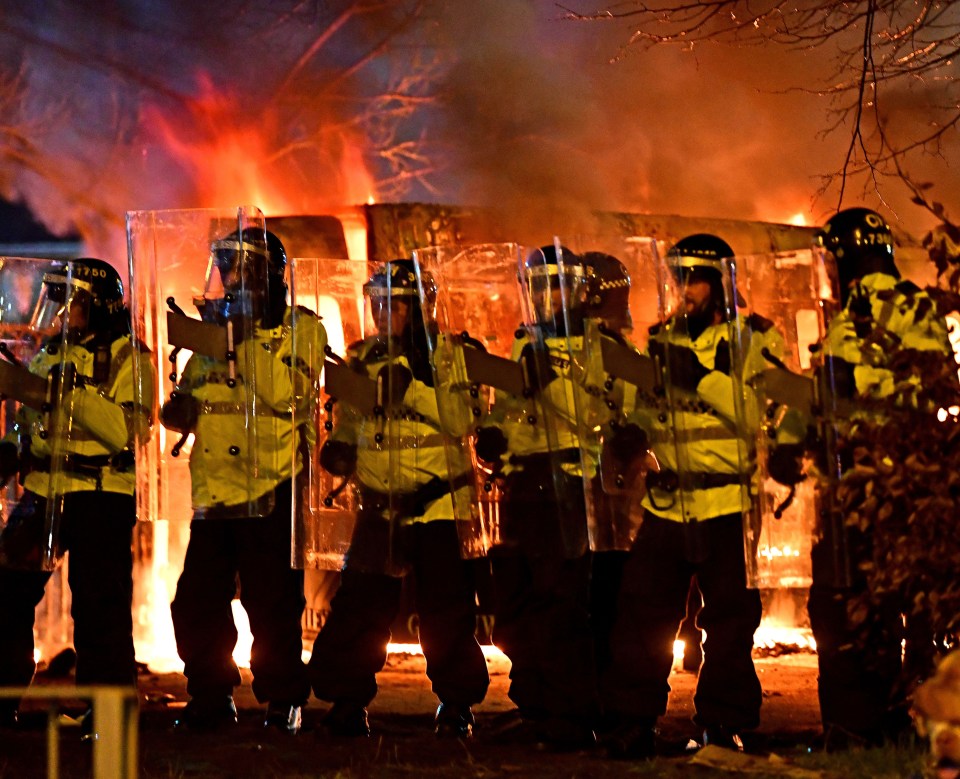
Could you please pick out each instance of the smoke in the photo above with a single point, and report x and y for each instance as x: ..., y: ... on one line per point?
x: 540, y: 119
x: 128, y: 104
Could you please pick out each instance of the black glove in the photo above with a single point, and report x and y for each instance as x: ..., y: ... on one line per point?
x: 338, y: 458
x: 837, y: 377
x: 785, y: 464
x: 491, y: 443
x: 180, y: 413
x: 681, y: 365
x: 538, y: 368
x: 721, y: 359
x: 628, y: 441
x: 9, y: 460
x: 63, y: 379
x: 396, y: 379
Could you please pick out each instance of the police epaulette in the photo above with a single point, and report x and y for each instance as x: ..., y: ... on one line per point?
x: 520, y: 332
x: 311, y: 312
x: 758, y: 324
x: 355, y: 346
x: 654, y: 329
x: 907, y: 287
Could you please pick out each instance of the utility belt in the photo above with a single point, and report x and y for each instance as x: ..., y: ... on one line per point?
x: 88, y: 466
x: 412, y: 504
x: 669, y: 480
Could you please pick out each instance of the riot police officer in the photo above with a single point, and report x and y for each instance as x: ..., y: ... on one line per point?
x: 230, y: 544
x: 89, y: 367
x: 861, y: 698
x: 692, y: 523
x: 541, y: 569
x: 607, y: 302
x: 405, y: 524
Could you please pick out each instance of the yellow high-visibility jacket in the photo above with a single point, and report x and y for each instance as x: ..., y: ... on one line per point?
x: 238, y: 457
x: 403, y: 449
x: 899, y: 307
x: 711, y: 431
x: 96, y: 422
x: 548, y: 421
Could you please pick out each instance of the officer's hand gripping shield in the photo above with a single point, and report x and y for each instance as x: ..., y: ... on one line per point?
x: 47, y: 453
x: 197, y: 297
x: 778, y: 302
x: 471, y: 309
x: 622, y: 302
x: 327, y: 501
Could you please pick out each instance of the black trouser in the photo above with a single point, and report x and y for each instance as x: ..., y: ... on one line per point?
x: 652, y: 604
x: 96, y: 529
x: 542, y: 600
x: 605, y: 579
x: 351, y: 646
x: 859, y: 665
x: 256, y: 551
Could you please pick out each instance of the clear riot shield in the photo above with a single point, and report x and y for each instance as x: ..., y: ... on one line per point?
x: 401, y: 461
x: 197, y: 300
x: 471, y: 327
x: 547, y: 446
x: 327, y: 502
x: 690, y: 423
x: 778, y: 304
x: 621, y: 303
x: 831, y: 415
x: 28, y: 323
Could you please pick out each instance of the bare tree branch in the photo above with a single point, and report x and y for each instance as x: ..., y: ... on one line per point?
x: 893, y: 45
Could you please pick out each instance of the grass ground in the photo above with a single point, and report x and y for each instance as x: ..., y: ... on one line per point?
x: 403, y: 744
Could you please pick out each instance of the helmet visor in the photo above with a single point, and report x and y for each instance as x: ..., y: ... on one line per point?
x: 547, y: 293
x: 236, y: 262
x: 64, y: 299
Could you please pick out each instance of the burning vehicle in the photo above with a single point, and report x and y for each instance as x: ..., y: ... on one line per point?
x: 374, y: 233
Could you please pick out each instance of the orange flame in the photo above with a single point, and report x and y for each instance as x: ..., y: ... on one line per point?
x: 238, y: 157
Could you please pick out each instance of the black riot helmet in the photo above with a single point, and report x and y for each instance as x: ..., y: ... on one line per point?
x: 96, y: 287
x: 542, y: 270
x: 699, y: 258
x: 396, y: 280
x: 256, y: 261
x: 607, y: 290
x: 861, y: 243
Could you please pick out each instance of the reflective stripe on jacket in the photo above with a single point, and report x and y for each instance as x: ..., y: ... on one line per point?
x: 244, y: 438
x: 101, y: 425
x: 702, y: 435
x: 547, y: 422
x: 402, y: 451
x: 909, y: 315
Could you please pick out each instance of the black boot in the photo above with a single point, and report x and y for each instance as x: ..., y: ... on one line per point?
x: 722, y: 736
x: 346, y: 720
x: 454, y: 721
x: 284, y: 717
x: 632, y: 740
x: 207, y: 713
